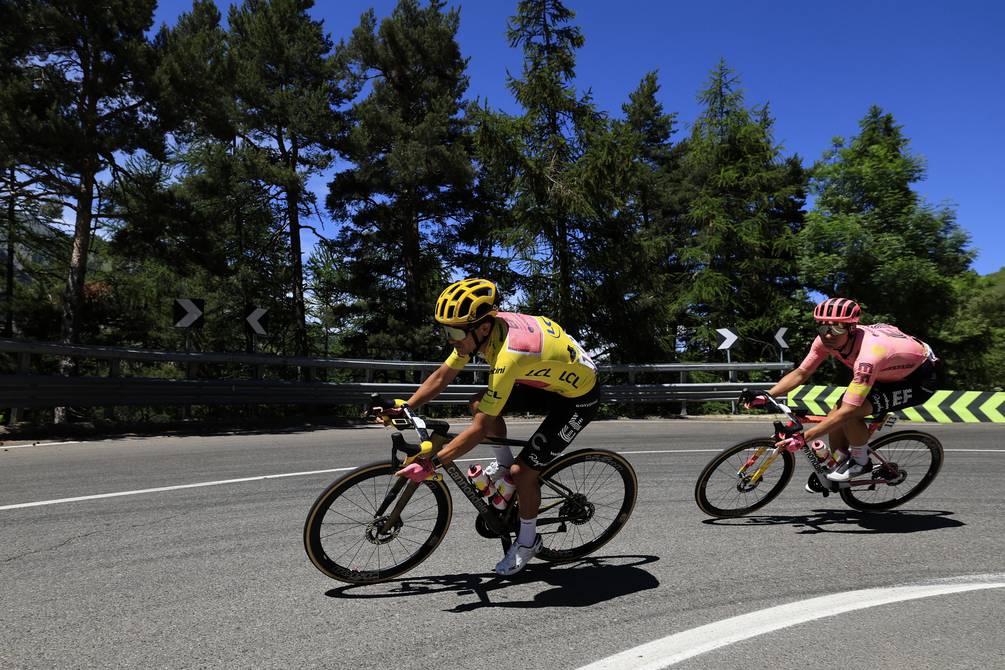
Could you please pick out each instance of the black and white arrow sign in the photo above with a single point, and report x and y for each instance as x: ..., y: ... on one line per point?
x: 780, y: 337
x: 188, y: 312
x: 256, y: 319
x: 725, y: 338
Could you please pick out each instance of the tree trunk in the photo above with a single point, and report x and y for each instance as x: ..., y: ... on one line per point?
x: 411, y: 262
x: 73, y: 297
x: 8, y: 328
x: 299, y: 308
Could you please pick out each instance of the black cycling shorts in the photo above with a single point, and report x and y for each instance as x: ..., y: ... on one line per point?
x: 564, y: 420
x: 914, y: 389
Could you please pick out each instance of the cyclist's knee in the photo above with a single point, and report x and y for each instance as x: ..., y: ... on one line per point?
x: 520, y: 471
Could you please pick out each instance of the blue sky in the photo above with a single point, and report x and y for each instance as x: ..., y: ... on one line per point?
x: 937, y: 66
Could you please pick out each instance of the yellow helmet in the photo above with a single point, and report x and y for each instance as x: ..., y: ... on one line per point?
x: 466, y: 301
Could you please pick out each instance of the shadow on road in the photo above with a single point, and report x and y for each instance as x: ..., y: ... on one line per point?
x: 851, y: 521
x: 578, y: 584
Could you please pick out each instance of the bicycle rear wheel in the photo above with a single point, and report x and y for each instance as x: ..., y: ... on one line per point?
x: 724, y: 487
x: 913, y: 459
x: 587, y: 497
x: 343, y: 537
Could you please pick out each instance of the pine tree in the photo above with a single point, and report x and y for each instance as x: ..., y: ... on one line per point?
x: 90, y: 100
x: 287, y: 90
x: 870, y: 237
x: 744, y: 209
x: 630, y: 253
x: 538, y: 152
x: 409, y: 182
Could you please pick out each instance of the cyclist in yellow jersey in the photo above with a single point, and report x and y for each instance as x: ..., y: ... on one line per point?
x: 533, y: 362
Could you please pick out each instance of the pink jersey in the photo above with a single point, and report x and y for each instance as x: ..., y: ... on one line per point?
x: 876, y: 353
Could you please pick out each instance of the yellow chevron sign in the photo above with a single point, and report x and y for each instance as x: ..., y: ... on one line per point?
x: 943, y: 406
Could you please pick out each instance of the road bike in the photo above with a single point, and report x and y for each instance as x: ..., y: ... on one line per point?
x: 370, y: 525
x: 749, y: 475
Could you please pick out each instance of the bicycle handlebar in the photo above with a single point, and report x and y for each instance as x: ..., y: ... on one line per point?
x: 412, y: 420
x: 746, y: 395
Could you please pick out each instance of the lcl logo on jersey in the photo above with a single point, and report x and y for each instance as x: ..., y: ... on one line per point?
x: 543, y: 372
x: 549, y: 327
x: 570, y: 378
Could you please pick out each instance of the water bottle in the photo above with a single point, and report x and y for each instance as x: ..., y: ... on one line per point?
x: 504, y: 489
x: 493, y: 471
x: 821, y: 449
x: 480, y: 480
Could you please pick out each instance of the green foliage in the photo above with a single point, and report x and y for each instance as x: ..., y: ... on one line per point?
x: 534, y: 158
x: 188, y: 157
x: 626, y: 172
x: 409, y: 180
x: 80, y: 80
x: 743, y: 212
x: 970, y: 340
x: 286, y: 84
x: 870, y: 237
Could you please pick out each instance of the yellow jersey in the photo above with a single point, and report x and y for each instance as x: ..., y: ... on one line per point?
x: 533, y: 351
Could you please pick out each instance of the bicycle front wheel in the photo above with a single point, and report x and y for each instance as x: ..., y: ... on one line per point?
x: 912, y: 460
x: 346, y: 535
x: 587, y: 497
x: 727, y: 487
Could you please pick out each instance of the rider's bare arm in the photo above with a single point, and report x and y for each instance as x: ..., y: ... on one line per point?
x: 790, y: 381
x: 468, y: 439
x: 433, y: 385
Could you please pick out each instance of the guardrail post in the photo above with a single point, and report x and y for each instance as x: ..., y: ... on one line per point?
x: 114, y: 371
x: 186, y: 410
x: 732, y: 379
x: 23, y: 368
x: 683, y: 403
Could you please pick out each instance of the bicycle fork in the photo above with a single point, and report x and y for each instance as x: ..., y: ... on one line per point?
x: 395, y: 514
x: 755, y: 477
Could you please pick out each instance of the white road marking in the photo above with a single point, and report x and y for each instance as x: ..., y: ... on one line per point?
x: 673, y: 649
x: 160, y: 489
x: 37, y: 444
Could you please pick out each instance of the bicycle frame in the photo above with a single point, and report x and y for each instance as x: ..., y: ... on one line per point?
x: 795, y: 425
x: 495, y: 520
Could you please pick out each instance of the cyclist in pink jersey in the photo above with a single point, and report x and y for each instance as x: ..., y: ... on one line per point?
x: 890, y: 371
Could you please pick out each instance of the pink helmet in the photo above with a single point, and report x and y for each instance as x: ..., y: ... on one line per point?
x: 837, y: 310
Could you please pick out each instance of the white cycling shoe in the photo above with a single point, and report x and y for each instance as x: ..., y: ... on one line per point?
x: 518, y: 556
x: 848, y: 469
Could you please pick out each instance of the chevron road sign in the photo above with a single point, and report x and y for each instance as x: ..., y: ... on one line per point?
x: 943, y: 407
x: 256, y: 319
x: 780, y: 337
x: 725, y: 338
x: 188, y: 312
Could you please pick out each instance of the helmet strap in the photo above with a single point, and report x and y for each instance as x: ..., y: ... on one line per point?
x: 479, y: 341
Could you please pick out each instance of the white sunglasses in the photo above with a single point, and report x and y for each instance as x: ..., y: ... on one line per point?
x: 833, y: 328
x: 453, y: 333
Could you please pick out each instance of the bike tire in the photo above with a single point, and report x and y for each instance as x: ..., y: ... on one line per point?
x: 913, y: 451
x: 341, y: 536
x: 587, y: 497
x: 720, y: 493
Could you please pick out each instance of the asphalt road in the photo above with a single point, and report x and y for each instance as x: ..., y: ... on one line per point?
x: 216, y: 576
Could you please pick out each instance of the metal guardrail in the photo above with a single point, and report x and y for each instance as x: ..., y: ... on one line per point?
x: 22, y: 389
